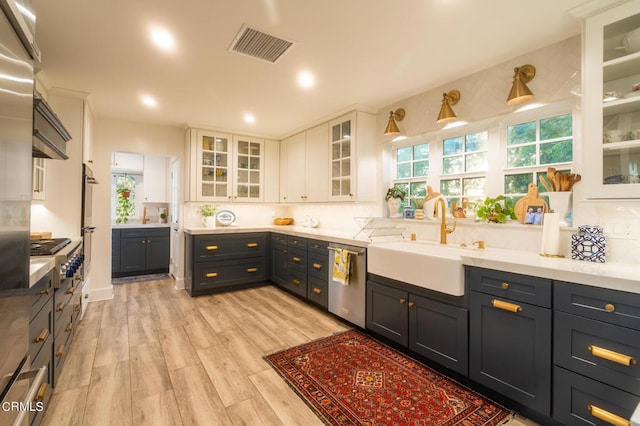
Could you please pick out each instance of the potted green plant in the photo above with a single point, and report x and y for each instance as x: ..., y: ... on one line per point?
x: 496, y: 209
x: 208, y: 211
x: 418, y: 202
x: 394, y: 198
x: 124, y: 205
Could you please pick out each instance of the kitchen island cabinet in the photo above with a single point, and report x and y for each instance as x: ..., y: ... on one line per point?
x: 143, y: 250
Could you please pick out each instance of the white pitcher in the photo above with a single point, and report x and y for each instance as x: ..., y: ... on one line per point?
x: 209, y: 221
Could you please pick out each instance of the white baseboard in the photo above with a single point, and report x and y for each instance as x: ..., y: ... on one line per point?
x: 100, y: 294
x: 179, y: 283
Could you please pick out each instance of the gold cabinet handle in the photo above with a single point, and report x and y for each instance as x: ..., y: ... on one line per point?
x: 71, y: 290
x: 78, y: 278
x: 42, y: 391
x: 504, y: 286
x: 69, y: 327
x: 296, y: 259
x: 60, y: 351
x: 43, y: 335
x: 296, y: 282
x: 60, y: 307
x: 608, y: 417
x: 511, y: 307
x: 609, y: 307
x: 317, y: 290
x: 78, y: 308
x: 612, y: 356
x: 402, y: 301
x: 46, y: 292
x: 252, y: 269
x: 411, y: 304
x: 250, y: 245
x: 317, y: 266
x: 211, y: 275
x: 211, y: 248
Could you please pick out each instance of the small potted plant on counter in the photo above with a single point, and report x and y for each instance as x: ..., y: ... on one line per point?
x: 208, y: 219
x: 495, y: 209
x: 395, y: 197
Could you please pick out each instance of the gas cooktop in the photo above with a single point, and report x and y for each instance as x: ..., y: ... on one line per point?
x: 47, y: 247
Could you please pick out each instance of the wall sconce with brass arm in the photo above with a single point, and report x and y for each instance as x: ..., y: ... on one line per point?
x: 392, y: 127
x: 446, y: 113
x: 519, y: 91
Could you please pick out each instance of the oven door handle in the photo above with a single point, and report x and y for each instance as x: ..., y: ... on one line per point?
x: 40, y: 376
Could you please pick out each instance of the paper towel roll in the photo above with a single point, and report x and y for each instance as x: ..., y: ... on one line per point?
x: 551, y: 234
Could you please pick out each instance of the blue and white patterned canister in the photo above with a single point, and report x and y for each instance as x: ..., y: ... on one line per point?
x: 589, y: 244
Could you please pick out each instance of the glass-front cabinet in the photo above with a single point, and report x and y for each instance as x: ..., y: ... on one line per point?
x: 249, y: 169
x: 39, y: 170
x: 612, y: 103
x: 214, y: 162
x: 341, y: 155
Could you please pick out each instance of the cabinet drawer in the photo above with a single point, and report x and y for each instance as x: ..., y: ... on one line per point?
x: 574, y: 395
x: 297, y: 242
x: 615, y: 307
x: 45, y: 357
x: 61, y: 308
x: 318, y: 291
x: 144, y: 232
x: 229, y: 272
x: 318, y: 266
x: 224, y: 247
x: 60, y: 351
x: 297, y: 283
x: 62, y: 321
x: 602, y: 351
x: 40, y: 329
x: 278, y: 239
x: 297, y: 260
x: 41, y: 293
x: 517, y: 287
x: 317, y: 246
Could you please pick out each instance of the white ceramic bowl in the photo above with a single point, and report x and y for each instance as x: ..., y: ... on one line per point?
x: 631, y: 41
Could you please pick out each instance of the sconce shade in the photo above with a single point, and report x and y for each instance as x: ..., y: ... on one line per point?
x: 446, y: 114
x: 392, y: 127
x: 519, y: 91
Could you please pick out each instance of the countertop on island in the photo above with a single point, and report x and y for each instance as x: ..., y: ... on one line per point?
x: 39, y: 267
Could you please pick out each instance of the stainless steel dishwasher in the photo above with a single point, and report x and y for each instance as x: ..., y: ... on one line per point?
x: 349, y: 302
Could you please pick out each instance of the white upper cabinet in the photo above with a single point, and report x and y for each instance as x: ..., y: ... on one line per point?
x: 249, y: 169
x: 155, y: 179
x: 39, y: 173
x: 127, y: 162
x: 87, y: 133
x: 305, y: 175
x: 610, y: 105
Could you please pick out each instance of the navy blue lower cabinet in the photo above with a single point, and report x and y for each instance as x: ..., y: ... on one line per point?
x: 387, y: 312
x: 510, y: 349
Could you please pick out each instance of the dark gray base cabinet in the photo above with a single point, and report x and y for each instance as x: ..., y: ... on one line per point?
x: 139, y: 251
x: 429, y: 327
x: 510, y: 336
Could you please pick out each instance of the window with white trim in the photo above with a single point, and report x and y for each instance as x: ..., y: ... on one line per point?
x: 412, y: 169
x: 464, y: 167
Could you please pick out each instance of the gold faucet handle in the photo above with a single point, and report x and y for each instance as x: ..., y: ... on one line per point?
x: 480, y: 244
x: 450, y: 230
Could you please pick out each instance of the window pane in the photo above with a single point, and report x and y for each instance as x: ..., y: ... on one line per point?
x: 476, y: 142
x: 421, y: 152
x: 452, y: 165
x: 556, y: 127
x: 556, y: 152
x: 450, y: 187
x: 517, y: 184
x: 473, y: 187
x: 521, y: 133
x: 476, y: 162
x: 420, y: 168
x: 418, y: 189
x: 452, y: 146
x: 521, y: 156
x: 404, y: 171
x: 404, y: 154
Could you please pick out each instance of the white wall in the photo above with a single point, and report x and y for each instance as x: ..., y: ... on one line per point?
x: 115, y: 135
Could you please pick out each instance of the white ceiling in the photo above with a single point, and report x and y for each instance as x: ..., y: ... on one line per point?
x: 365, y: 52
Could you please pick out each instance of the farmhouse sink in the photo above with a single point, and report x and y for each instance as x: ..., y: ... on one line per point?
x: 433, y: 266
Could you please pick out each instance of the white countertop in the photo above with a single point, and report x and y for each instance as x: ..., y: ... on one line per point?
x: 139, y: 225
x: 39, y: 267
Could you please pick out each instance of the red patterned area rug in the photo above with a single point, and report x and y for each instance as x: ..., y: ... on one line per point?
x: 352, y: 379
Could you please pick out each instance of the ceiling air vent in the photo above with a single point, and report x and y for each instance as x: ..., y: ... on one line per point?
x: 257, y: 44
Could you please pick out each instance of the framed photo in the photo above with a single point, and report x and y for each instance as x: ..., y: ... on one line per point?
x: 535, y: 214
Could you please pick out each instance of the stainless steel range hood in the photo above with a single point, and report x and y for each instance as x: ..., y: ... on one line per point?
x: 49, y: 135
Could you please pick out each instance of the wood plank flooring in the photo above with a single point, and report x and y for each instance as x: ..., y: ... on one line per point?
x: 155, y: 356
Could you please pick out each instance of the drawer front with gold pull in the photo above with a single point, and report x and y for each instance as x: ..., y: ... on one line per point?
x: 607, y: 416
x: 225, y: 274
x: 211, y: 248
x: 317, y: 291
x: 211, y: 275
x: 516, y: 287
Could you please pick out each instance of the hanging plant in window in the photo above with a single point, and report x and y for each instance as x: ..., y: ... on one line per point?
x: 125, y: 206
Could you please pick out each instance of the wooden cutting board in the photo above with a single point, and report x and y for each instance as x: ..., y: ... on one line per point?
x: 531, y: 199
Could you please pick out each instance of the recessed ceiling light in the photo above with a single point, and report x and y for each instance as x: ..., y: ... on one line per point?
x: 149, y: 101
x: 306, y: 80
x: 249, y: 118
x: 162, y: 38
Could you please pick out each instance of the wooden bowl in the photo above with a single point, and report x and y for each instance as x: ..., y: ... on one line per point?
x: 283, y: 221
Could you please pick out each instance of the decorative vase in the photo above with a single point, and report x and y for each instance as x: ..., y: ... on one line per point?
x: 394, y: 205
x: 589, y: 244
x: 408, y: 212
x: 419, y: 214
x: 209, y: 221
x: 561, y: 203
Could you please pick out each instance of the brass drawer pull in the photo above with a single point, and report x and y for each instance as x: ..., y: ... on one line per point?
x: 252, y: 269
x: 45, y: 292
x: 511, y: 307
x: 42, y: 391
x: 411, y: 304
x: 317, y: 266
x: 504, y: 286
x: 296, y: 259
x: 60, y: 351
x: 609, y: 307
x: 60, y: 307
x: 43, y: 335
x: 211, y: 248
x: 69, y: 327
x: 316, y: 290
x: 402, y: 301
x: 608, y: 417
x: 296, y: 282
x: 612, y: 356
x: 251, y: 245
x: 212, y: 275
x: 78, y: 308
x: 71, y: 290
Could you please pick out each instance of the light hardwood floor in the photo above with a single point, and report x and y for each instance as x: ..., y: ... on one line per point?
x: 156, y: 356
